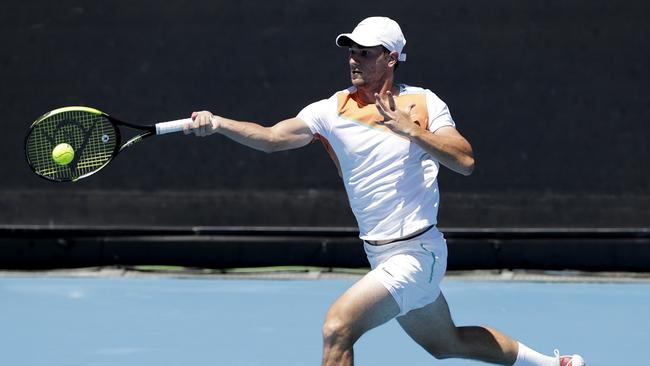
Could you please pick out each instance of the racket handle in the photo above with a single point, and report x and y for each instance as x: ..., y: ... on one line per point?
x: 171, y: 126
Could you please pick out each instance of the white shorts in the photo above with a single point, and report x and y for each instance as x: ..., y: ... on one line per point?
x: 411, y: 270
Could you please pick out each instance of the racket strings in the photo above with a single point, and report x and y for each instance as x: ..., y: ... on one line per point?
x: 92, y: 136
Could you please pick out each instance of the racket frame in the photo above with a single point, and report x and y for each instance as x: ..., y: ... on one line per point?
x: 148, y: 131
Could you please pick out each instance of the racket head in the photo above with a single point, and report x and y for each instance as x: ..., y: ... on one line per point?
x: 94, y: 138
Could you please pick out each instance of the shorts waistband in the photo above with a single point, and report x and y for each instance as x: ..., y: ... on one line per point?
x: 390, y: 241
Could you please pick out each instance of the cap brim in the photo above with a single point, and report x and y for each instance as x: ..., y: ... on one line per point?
x: 346, y: 39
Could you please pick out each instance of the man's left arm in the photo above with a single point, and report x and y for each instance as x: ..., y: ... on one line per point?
x: 445, y: 145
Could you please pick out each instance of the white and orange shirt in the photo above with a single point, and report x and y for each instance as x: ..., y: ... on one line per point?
x: 391, y: 182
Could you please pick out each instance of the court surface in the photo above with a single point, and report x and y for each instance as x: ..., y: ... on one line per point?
x: 156, y: 321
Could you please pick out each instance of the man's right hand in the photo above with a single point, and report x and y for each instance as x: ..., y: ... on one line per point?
x: 204, y: 124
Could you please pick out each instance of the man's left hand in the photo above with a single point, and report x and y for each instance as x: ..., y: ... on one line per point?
x: 397, y: 120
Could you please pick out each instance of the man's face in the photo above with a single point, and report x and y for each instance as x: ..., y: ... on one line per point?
x: 368, y: 65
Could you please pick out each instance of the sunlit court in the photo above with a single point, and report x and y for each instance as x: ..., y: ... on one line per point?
x: 135, y: 319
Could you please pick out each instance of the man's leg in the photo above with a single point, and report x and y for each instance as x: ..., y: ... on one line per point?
x: 365, y: 305
x: 433, y: 329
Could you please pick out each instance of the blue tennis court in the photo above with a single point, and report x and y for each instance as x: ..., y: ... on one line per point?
x: 216, y: 321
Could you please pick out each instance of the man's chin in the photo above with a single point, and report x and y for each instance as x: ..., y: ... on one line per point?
x: 358, y: 82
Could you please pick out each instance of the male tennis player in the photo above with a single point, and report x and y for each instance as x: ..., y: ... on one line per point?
x: 388, y: 140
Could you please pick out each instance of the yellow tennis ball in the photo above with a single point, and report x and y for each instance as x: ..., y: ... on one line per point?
x: 63, y: 154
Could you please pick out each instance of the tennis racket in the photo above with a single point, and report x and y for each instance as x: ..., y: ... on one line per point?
x: 72, y: 143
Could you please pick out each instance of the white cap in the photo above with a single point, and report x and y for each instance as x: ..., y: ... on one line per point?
x: 376, y: 31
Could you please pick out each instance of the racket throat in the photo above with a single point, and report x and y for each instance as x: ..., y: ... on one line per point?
x: 132, y: 141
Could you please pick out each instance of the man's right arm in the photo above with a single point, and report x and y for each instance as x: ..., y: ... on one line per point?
x: 285, y: 135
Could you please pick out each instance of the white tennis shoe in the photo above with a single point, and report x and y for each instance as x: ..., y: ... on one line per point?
x: 574, y: 360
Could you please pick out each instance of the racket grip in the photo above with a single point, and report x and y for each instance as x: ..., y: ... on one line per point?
x: 172, y: 126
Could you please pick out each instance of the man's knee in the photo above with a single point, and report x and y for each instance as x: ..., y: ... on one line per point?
x: 442, y: 353
x: 337, y: 332
x: 449, y: 347
x: 457, y: 343
x: 439, y: 350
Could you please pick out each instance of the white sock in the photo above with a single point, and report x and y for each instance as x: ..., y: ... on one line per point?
x: 529, y: 357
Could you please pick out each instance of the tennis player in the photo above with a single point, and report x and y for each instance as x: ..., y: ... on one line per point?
x: 388, y: 141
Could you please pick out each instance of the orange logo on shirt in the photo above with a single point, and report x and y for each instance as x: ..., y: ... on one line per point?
x: 350, y: 108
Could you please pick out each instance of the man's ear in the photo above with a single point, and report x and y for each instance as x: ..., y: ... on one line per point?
x: 393, y: 58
